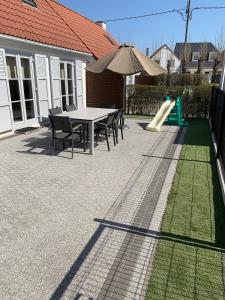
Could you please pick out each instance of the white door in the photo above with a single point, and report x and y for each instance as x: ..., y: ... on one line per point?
x: 67, y: 84
x: 43, y: 89
x: 21, y: 86
x: 5, y: 105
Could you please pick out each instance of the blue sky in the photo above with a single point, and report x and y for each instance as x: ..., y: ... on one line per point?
x: 153, y: 31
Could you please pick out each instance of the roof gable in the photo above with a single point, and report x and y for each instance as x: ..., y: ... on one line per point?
x: 53, y: 24
x: 163, y: 47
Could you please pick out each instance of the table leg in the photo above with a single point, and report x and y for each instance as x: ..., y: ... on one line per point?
x: 91, y: 137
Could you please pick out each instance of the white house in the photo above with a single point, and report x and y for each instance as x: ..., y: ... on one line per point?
x: 166, y: 58
x: 44, y: 47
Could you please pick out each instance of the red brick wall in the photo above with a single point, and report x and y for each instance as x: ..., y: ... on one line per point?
x: 104, y: 90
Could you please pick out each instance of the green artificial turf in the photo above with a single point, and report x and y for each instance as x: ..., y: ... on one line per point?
x: 189, y: 261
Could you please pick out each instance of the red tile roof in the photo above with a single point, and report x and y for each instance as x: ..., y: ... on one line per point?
x: 53, y: 24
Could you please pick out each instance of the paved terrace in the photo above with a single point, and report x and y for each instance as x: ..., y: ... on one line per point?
x: 84, y: 228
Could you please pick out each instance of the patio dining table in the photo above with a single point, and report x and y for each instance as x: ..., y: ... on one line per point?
x: 89, y: 115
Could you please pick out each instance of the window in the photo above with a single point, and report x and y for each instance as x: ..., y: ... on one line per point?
x: 21, y: 87
x: 212, y: 56
x: 195, y: 56
x: 14, y: 88
x: 171, y: 62
x: 30, y: 2
x: 27, y: 87
x: 67, y: 84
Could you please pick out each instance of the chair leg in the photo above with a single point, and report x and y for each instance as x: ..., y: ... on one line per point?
x: 53, y: 142
x: 121, y: 129
x: 107, y: 139
x: 116, y: 131
x: 72, y: 145
x: 114, y: 137
x: 80, y: 134
x: 85, y: 137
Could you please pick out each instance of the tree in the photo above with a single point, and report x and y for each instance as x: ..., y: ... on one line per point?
x: 202, y: 57
x: 185, y: 55
x: 220, y: 41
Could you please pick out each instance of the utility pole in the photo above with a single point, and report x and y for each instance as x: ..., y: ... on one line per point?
x: 187, y: 20
x: 185, y: 54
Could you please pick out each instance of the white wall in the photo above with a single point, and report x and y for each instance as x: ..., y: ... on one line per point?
x: 163, y: 55
x: 13, y: 46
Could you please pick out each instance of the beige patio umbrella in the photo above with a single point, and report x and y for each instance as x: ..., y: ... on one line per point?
x: 126, y: 60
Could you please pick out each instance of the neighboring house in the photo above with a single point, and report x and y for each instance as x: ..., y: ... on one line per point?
x: 44, y: 48
x: 206, y: 52
x: 166, y: 58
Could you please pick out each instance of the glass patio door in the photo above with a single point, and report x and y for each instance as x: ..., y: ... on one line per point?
x: 67, y: 84
x: 20, y: 77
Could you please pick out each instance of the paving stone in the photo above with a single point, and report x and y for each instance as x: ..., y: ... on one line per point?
x: 81, y: 228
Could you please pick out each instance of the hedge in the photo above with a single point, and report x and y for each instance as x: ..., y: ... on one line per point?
x: 146, y: 99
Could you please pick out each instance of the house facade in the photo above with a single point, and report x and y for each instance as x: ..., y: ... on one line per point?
x: 167, y: 59
x: 195, y: 52
x: 44, y: 49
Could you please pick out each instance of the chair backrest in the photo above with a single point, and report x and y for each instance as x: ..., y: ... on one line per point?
x: 110, y: 119
x: 119, y: 114
x: 61, y: 123
x: 55, y: 111
x: 70, y: 107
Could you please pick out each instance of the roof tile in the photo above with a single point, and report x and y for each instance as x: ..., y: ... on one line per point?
x: 54, y: 24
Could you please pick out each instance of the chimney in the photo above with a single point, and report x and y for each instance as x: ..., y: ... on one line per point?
x: 101, y: 24
x: 147, y: 51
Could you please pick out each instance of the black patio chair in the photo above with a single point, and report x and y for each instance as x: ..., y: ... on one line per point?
x: 70, y: 107
x: 119, y: 122
x: 62, y: 129
x: 55, y: 111
x: 105, y: 128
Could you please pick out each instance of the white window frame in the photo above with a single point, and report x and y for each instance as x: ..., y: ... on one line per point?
x: 211, y: 56
x: 195, y: 54
x: 21, y: 90
x: 66, y: 63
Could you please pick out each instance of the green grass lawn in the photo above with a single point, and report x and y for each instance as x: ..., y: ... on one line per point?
x: 190, y: 257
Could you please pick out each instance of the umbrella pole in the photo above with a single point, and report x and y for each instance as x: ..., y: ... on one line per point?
x: 125, y: 98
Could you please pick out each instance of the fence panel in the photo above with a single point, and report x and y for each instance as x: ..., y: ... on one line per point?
x: 217, y: 117
x: 222, y: 145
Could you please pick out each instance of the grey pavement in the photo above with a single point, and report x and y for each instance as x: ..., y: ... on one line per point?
x: 85, y: 228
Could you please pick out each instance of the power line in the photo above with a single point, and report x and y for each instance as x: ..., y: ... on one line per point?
x: 179, y: 11
x: 205, y: 8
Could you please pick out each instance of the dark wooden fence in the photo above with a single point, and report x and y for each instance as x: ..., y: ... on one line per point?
x: 217, y: 118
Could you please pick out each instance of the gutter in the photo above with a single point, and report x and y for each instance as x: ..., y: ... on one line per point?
x: 17, y: 39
